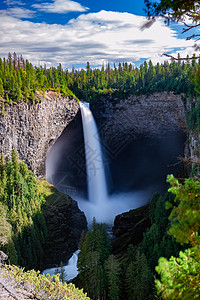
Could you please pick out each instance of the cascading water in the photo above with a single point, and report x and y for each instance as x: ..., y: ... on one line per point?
x: 70, y: 270
x: 102, y: 206
x: 97, y: 188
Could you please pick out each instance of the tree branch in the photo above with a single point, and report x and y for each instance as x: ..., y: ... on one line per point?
x: 181, y: 58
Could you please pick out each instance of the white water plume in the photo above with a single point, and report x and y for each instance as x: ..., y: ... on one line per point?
x: 97, y: 189
x: 101, y: 206
x: 116, y: 204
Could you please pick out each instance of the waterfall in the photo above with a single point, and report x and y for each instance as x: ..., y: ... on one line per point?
x: 102, y: 206
x: 97, y: 189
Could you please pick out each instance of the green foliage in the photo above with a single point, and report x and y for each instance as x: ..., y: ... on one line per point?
x: 193, y: 114
x: 95, y: 247
x: 138, y: 278
x: 176, y: 9
x: 126, y: 79
x: 179, y: 276
x: 20, y: 81
x: 45, y: 287
x: 20, y: 203
x: 6, y: 242
x: 185, y: 218
x: 113, y: 275
x: 103, y: 276
x: 25, y: 82
x: 139, y: 264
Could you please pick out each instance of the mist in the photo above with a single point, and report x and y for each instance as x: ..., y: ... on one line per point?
x: 132, y: 175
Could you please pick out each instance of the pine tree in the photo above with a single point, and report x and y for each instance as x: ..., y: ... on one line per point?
x: 1, y: 88
x: 63, y: 274
x: 113, y: 274
x: 179, y: 277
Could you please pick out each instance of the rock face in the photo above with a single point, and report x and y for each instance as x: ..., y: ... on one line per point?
x: 129, y: 228
x: 192, y: 151
x: 125, y: 119
x: 32, y: 129
x: 3, y: 257
x: 65, y: 223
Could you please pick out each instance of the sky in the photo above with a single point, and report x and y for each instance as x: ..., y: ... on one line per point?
x: 76, y: 32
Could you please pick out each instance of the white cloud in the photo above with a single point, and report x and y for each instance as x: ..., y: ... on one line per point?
x: 60, y: 6
x: 18, y: 12
x: 14, y: 2
x: 94, y: 37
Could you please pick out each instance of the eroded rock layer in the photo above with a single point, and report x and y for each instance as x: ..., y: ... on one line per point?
x: 32, y: 129
x: 153, y: 115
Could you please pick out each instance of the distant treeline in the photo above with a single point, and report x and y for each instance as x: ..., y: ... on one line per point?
x: 19, y: 81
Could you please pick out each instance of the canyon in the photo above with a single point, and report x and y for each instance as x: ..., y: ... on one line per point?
x: 32, y: 130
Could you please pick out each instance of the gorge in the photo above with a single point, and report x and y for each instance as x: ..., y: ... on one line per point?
x: 134, y: 130
x: 138, y: 140
x: 145, y: 150
x: 141, y: 138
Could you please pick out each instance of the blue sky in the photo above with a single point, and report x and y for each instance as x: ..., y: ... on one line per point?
x: 74, y: 32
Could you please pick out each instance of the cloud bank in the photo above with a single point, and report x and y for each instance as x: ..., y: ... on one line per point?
x: 95, y: 37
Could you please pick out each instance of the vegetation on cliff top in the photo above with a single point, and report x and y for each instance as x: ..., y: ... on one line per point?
x: 21, y: 82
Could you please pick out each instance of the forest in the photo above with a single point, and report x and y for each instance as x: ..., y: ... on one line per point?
x: 165, y: 263
x: 20, y: 81
x: 20, y: 199
x: 170, y: 247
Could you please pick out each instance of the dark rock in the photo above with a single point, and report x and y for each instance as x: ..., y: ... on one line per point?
x: 65, y: 223
x: 123, y: 120
x: 129, y: 228
x: 3, y: 257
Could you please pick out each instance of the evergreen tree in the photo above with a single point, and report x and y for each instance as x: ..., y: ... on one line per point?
x: 1, y: 88
x: 179, y: 276
x: 20, y: 196
x: 94, y: 252
x: 113, y: 274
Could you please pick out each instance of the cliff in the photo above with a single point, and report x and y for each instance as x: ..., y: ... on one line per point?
x: 129, y: 228
x: 192, y: 152
x: 122, y: 120
x: 32, y: 129
x: 65, y: 223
